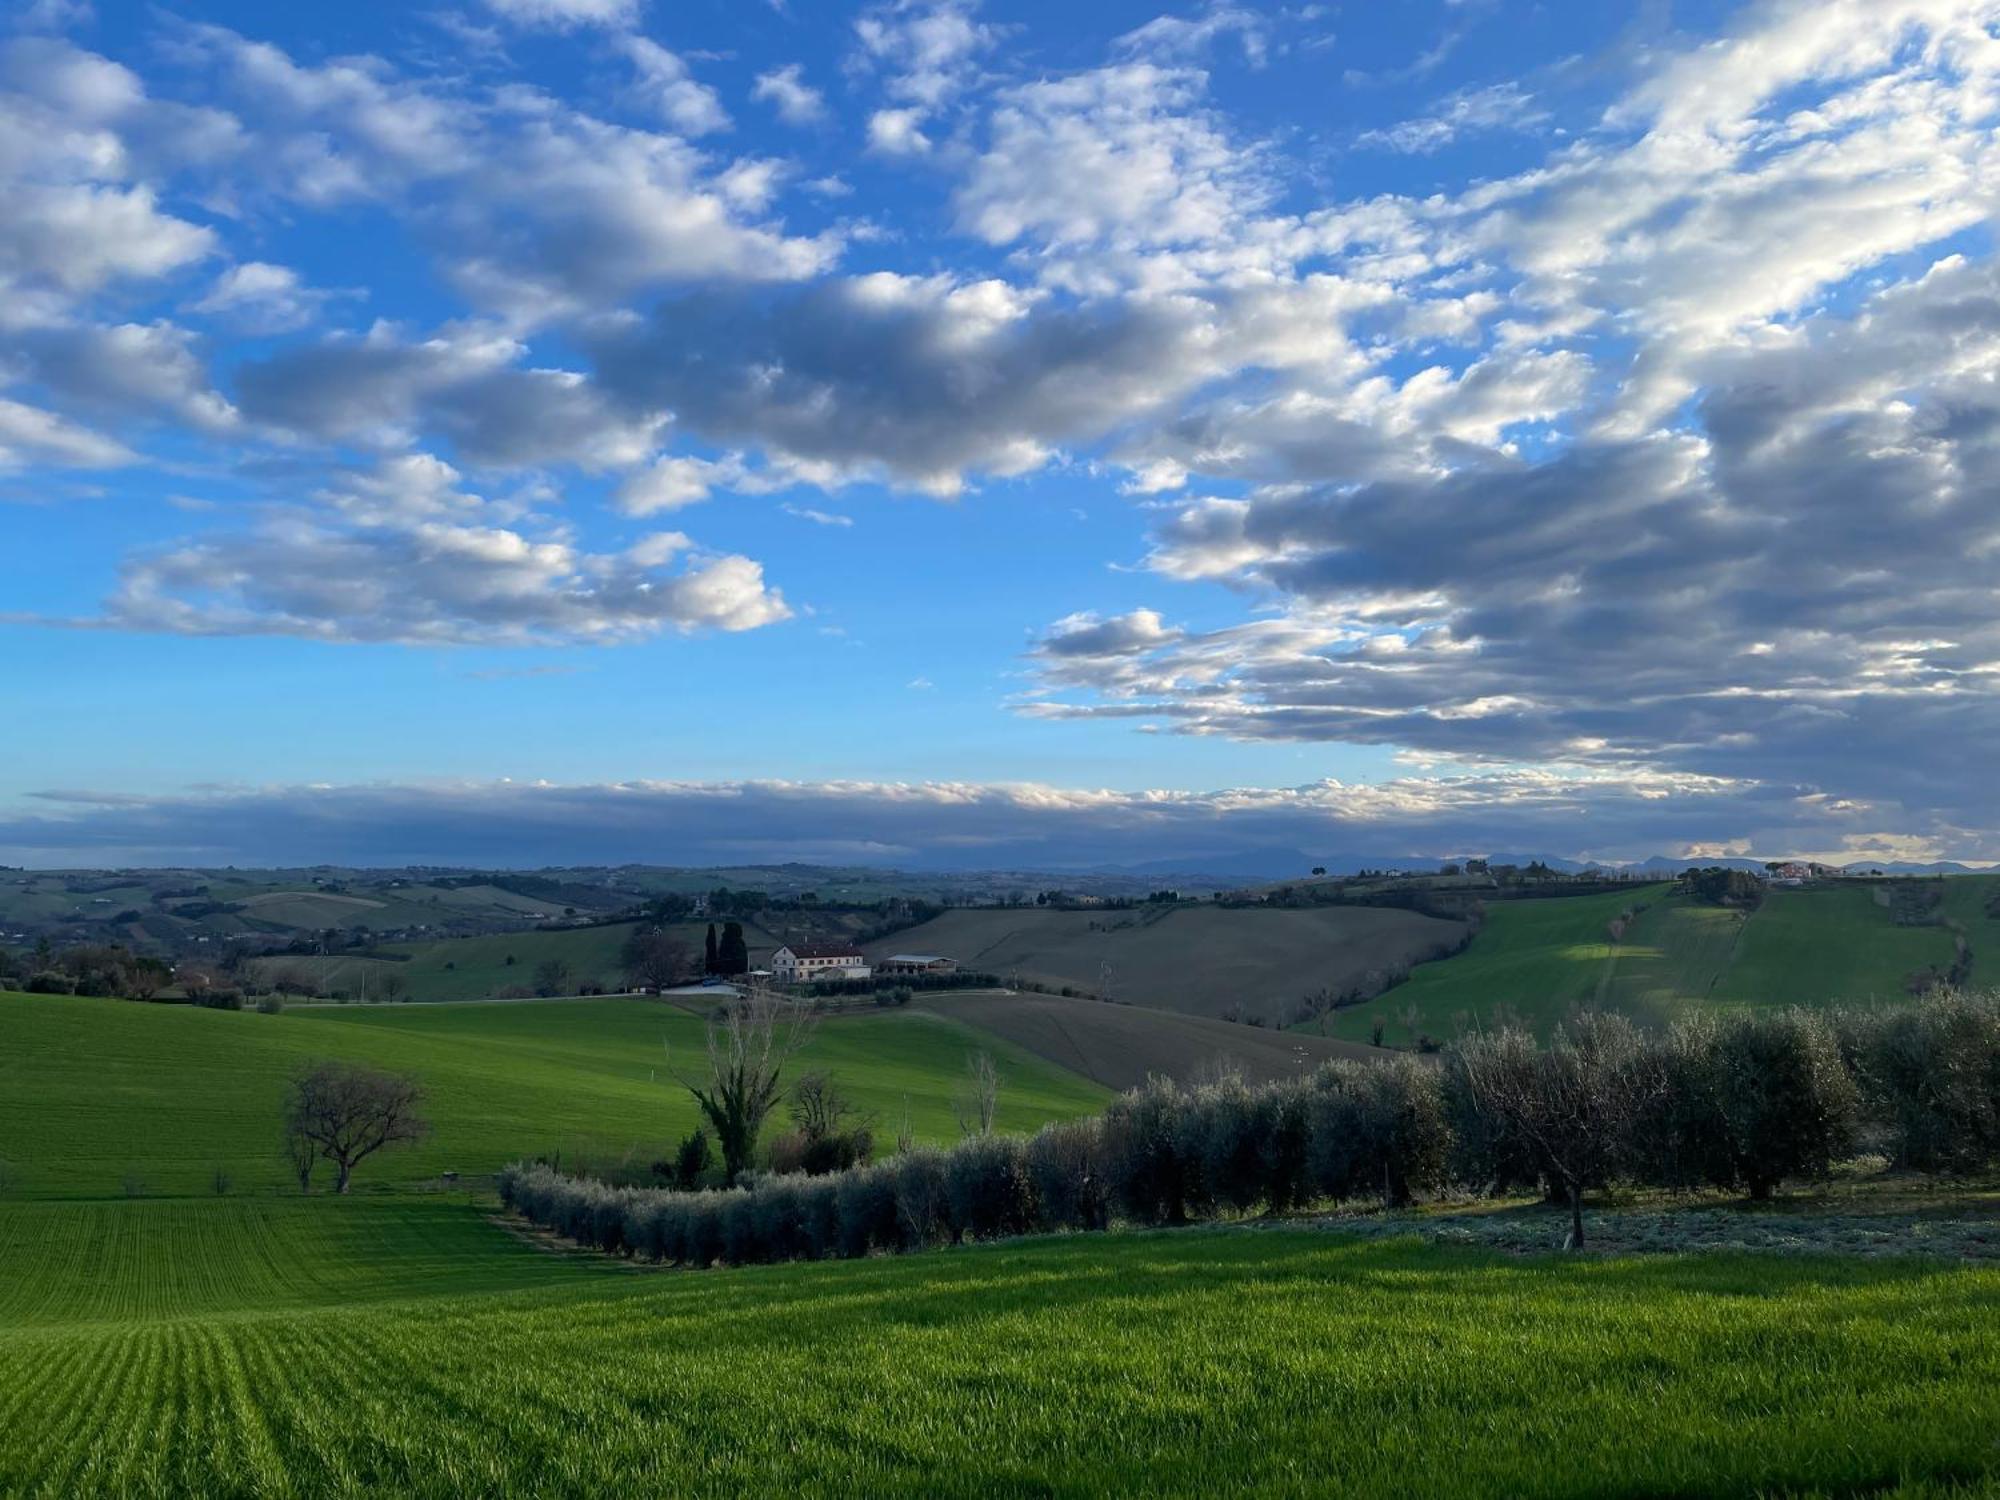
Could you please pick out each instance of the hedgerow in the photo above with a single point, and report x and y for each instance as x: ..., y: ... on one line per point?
x: 1744, y: 1102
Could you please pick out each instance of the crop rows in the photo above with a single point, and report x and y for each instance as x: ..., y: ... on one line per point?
x: 1280, y: 1362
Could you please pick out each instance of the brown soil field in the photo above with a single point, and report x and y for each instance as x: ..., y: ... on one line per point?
x: 1120, y: 1046
x: 1200, y: 960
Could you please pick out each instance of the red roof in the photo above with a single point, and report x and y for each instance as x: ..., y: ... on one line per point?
x: 824, y: 950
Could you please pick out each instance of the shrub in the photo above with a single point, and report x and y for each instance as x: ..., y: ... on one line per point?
x: 987, y: 1187
x: 1151, y: 1151
x: 270, y: 1005
x: 220, y: 999
x: 691, y: 1159
x: 868, y: 1216
x: 921, y: 1207
x: 1787, y: 1102
x: 47, y: 983
x: 1066, y: 1169
x: 1931, y: 1074
x: 1377, y: 1130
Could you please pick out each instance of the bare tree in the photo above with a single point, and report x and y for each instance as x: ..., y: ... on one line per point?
x: 146, y: 977
x: 979, y: 1100
x: 748, y: 1046
x: 346, y: 1113
x: 1573, y: 1104
x: 551, y: 977
x: 389, y: 985
x: 655, y: 959
x: 819, y: 1109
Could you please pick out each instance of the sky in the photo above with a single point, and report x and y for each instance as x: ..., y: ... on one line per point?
x: 935, y: 432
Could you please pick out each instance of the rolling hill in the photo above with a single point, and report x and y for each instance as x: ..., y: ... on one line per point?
x: 1121, y: 1046
x: 106, y: 1097
x: 1200, y: 960
x: 1535, y: 961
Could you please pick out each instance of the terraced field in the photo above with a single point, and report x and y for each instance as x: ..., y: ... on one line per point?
x: 1281, y: 1363
x: 104, y: 1097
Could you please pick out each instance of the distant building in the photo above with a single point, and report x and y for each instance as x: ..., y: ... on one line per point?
x: 916, y: 963
x: 1793, y: 873
x: 802, y: 963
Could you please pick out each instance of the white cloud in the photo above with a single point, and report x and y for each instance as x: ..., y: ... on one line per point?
x: 29, y: 435
x: 261, y: 298
x: 796, y: 101
x: 688, y: 105
x: 565, y: 15
x: 897, y: 132
x: 405, y: 554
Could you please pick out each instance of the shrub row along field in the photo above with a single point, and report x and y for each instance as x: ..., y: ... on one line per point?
x: 106, y: 1097
x: 1533, y: 962
x: 1273, y: 1363
x: 1202, y: 960
x: 1749, y: 1102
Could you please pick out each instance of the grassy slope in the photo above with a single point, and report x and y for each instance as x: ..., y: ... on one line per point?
x: 1202, y: 960
x: 1533, y: 961
x: 92, y: 1091
x: 1273, y: 1362
x: 1809, y: 947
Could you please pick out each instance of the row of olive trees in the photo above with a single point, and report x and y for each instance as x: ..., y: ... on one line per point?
x: 1739, y: 1103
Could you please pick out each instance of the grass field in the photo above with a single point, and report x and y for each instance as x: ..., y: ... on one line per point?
x: 98, y: 1097
x: 1201, y: 960
x: 1536, y: 961
x: 1282, y: 1362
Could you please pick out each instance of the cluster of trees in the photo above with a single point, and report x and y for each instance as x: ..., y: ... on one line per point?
x: 1743, y: 1103
x: 86, y: 969
x: 1720, y: 886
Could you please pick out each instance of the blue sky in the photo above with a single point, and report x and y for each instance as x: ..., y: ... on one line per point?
x: 981, y: 432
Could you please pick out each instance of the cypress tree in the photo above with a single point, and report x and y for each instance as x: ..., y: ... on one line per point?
x: 732, y: 954
x: 709, y: 960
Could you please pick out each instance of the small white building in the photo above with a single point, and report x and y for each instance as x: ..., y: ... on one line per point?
x: 803, y: 963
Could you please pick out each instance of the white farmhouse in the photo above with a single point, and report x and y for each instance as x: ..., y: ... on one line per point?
x: 802, y: 963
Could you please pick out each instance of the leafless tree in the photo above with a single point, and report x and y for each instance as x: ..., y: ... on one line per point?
x: 655, y: 959
x: 1573, y: 1104
x: 146, y: 977
x: 391, y: 985
x: 551, y: 977
x: 346, y: 1113
x: 819, y: 1109
x: 293, y: 981
x: 748, y: 1046
x: 979, y: 1100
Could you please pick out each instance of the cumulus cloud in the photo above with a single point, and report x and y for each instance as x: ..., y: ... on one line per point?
x: 683, y: 101
x: 30, y: 435
x: 261, y: 298
x: 403, y: 553
x: 464, y: 385
x: 785, y: 89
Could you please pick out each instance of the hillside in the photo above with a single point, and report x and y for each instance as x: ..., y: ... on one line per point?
x: 1535, y: 961
x: 1201, y: 960
x: 1121, y: 1046
x: 102, y: 1097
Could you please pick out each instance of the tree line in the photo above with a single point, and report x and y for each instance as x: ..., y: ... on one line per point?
x: 1744, y: 1102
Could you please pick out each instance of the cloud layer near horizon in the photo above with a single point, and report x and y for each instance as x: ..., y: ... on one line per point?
x: 927, y: 825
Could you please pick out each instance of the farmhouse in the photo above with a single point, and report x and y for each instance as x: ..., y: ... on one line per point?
x: 802, y: 963
x: 917, y: 963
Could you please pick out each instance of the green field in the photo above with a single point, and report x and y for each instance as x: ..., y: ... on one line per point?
x: 1536, y: 961
x: 323, y: 1357
x: 102, y: 1097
